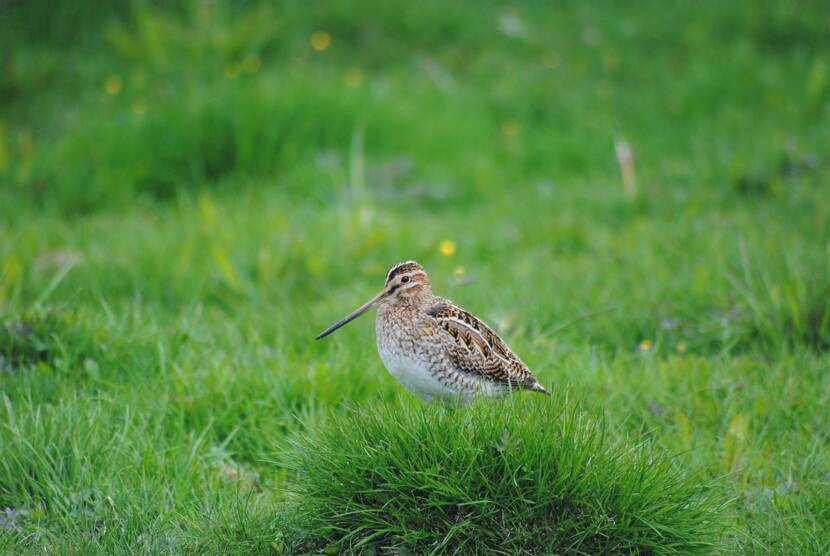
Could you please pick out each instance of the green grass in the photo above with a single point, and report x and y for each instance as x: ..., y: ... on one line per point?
x: 189, y: 195
x: 515, y: 478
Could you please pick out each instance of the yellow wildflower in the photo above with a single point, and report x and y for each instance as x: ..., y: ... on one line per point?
x: 251, y: 64
x: 232, y: 71
x: 320, y: 40
x: 113, y: 85
x: 447, y: 248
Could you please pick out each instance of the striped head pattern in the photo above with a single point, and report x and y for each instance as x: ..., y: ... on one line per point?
x: 406, y: 279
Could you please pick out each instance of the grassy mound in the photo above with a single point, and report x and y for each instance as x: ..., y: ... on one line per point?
x: 515, y: 477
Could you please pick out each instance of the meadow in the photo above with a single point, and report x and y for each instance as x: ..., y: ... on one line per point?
x: 190, y: 192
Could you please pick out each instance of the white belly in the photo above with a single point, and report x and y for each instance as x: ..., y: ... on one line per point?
x: 415, y: 377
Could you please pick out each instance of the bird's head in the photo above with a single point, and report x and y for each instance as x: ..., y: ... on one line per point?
x: 404, y: 281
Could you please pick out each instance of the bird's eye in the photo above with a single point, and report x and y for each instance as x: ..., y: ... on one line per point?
x: 405, y: 279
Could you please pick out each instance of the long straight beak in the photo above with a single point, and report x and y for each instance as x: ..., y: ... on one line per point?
x: 342, y: 322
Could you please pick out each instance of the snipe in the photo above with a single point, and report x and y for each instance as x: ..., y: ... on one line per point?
x: 436, y: 349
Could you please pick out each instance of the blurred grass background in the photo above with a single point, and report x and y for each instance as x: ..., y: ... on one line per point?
x: 189, y: 192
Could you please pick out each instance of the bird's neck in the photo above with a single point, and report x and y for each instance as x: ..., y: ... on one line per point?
x: 423, y: 298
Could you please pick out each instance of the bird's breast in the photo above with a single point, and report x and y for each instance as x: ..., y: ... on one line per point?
x: 407, y: 352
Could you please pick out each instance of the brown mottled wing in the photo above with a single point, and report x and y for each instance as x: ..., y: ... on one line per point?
x: 477, y: 350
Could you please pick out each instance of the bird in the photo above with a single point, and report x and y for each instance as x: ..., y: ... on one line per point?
x: 436, y: 349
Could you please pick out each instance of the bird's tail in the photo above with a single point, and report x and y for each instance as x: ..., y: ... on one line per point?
x: 536, y: 387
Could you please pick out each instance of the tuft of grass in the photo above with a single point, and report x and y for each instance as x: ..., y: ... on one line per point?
x: 785, y: 300
x: 518, y: 476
